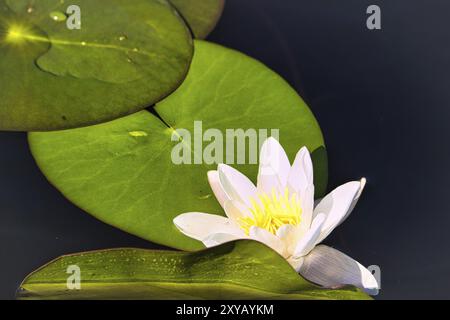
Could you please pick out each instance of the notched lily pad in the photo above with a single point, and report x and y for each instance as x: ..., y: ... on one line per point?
x: 201, y: 15
x: 126, y: 56
x: 234, y: 271
x: 122, y: 172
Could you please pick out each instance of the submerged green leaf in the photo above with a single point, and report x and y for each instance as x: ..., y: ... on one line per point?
x: 201, y: 15
x: 126, y: 56
x: 122, y: 171
x: 239, y: 270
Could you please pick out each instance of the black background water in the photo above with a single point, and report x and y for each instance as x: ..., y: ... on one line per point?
x: 382, y: 99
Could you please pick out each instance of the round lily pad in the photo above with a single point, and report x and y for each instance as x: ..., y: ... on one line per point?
x: 201, y: 15
x: 62, y: 67
x: 123, y: 173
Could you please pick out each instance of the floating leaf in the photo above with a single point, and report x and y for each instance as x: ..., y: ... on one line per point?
x: 126, y: 56
x: 239, y: 270
x: 201, y: 15
x: 122, y: 171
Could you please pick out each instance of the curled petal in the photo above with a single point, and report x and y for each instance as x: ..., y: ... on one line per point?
x: 331, y: 268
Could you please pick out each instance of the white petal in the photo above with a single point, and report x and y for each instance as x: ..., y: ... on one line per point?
x: 336, y: 205
x: 362, y: 185
x: 331, y: 268
x: 220, y: 238
x: 236, y: 185
x: 269, y: 239
x: 274, y: 167
x: 301, y: 175
x: 290, y: 236
x: 201, y: 225
x: 219, y: 192
x: 309, y: 240
x: 286, y: 232
x: 307, y: 203
x: 236, y: 210
x: 301, y: 182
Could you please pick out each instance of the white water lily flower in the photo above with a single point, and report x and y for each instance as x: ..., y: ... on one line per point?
x: 280, y: 213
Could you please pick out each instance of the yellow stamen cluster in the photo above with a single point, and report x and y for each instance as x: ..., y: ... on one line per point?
x: 272, y: 212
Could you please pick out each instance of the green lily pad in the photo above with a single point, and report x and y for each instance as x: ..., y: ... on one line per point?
x: 122, y: 171
x: 239, y: 270
x: 201, y: 15
x: 126, y: 56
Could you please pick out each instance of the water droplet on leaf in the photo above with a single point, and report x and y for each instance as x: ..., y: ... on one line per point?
x: 58, y: 16
x: 138, y: 133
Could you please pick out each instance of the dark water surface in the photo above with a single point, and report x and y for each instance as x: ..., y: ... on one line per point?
x: 382, y: 99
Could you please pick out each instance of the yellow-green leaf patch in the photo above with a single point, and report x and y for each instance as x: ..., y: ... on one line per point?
x: 201, y: 15
x: 125, y: 56
x: 234, y: 271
